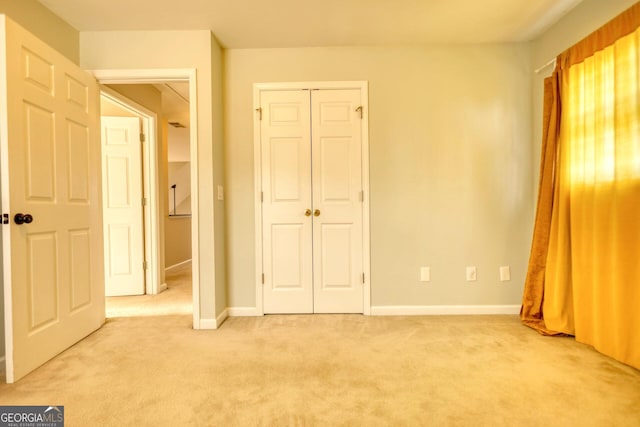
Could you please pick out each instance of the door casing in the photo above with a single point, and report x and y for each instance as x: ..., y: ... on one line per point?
x: 258, y: 88
x: 151, y: 76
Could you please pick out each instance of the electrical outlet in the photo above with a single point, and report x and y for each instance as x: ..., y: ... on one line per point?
x: 505, y: 273
x: 471, y: 274
x: 425, y: 274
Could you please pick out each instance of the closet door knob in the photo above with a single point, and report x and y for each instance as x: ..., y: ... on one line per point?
x: 316, y: 212
x: 307, y: 212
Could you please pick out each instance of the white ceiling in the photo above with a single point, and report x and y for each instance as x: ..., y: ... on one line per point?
x: 303, y: 23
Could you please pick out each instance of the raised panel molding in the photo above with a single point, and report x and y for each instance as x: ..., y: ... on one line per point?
x: 287, y: 272
x: 40, y: 145
x: 118, y: 190
x: 284, y: 114
x: 119, y: 243
x: 285, y: 151
x: 79, y: 161
x: 38, y: 71
x: 336, y: 256
x: 77, y: 93
x: 335, y: 112
x: 43, y: 264
x: 80, y: 268
x: 336, y: 170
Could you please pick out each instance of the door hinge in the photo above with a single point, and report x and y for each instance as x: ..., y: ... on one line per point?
x: 362, y: 278
x: 262, y: 196
x: 5, y: 218
x: 144, y: 201
x: 142, y: 137
x: 362, y: 196
x: 360, y: 110
x: 259, y: 110
x: 263, y: 278
x: 144, y: 265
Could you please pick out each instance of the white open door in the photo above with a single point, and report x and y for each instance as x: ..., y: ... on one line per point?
x: 122, y: 206
x: 51, y: 204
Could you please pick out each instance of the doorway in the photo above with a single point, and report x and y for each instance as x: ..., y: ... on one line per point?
x: 158, y: 207
x: 311, y: 146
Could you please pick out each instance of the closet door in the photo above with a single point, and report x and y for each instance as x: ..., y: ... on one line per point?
x: 286, y: 205
x: 337, y: 201
x: 312, y: 237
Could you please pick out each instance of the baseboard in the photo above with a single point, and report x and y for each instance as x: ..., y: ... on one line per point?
x: 174, y: 266
x: 243, y: 311
x: 222, y: 317
x: 442, y: 310
x: 163, y: 287
x: 408, y: 310
x: 214, y: 323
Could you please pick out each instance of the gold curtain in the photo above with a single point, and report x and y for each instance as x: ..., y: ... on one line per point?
x: 532, y: 302
x: 584, y: 270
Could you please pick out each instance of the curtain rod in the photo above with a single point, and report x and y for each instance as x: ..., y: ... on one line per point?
x: 551, y: 62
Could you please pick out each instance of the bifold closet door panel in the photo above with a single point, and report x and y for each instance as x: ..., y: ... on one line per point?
x: 286, y: 185
x: 336, y: 129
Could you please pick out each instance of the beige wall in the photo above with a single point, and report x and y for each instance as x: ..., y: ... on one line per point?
x: 178, y: 233
x: 587, y: 17
x: 167, y: 50
x: 217, y: 89
x: 450, y: 165
x: 45, y: 25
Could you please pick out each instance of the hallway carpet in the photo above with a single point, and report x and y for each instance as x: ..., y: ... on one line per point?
x: 331, y: 370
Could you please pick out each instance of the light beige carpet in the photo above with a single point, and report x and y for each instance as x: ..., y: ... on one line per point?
x: 332, y: 370
x: 176, y: 299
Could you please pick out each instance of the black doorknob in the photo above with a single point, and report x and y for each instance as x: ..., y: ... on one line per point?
x: 22, y: 219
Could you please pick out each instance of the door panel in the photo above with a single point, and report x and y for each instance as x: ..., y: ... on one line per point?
x: 50, y: 166
x: 337, y: 184
x: 79, y: 152
x: 42, y: 298
x: 286, y: 180
x: 336, y: 245
x: 122, y: 198
x: 40, y: 139
x: 288, y: 261
x: 287, y: 184
x: 80, y: 262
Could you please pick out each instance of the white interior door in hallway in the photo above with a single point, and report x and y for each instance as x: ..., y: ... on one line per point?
x: 122, y: 206
x: 50, y: 173
x: 312, y: 201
